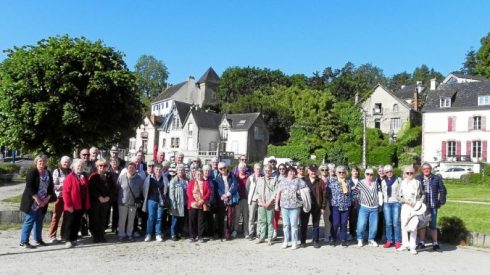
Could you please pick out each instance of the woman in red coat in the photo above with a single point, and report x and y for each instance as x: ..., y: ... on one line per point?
x: 198, y: 193
x: 77, y: 200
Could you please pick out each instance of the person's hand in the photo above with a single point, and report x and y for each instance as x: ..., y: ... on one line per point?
x: 276, y: 208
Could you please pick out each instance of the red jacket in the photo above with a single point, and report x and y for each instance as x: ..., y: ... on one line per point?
x: 206, y: 192
x: 71, y: 192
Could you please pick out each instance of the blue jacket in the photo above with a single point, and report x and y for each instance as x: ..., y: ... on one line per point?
x: 438, y: 191
x: 233, y: 189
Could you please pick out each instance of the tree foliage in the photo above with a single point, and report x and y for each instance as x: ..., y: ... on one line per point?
x: 483, y: 57
x: 151, y: 75
x: 64, y: 93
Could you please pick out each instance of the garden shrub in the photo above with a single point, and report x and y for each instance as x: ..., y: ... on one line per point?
x: 9, y: 168
x: 453, y: 230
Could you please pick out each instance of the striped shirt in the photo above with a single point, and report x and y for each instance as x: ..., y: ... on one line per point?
x: 368, y: 195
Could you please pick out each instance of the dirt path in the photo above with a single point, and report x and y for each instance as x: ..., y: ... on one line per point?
x: 471, y: 202
x: 11, y: 190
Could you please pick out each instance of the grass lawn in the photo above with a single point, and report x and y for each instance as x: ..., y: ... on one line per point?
x: 468, y: 192
x: 476, y: 217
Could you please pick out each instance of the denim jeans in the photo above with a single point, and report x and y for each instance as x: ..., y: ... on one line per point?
x: 366, y: 215
x: 391, y: 212
x: 155, y: 216
x: 176, y: 226
x: 32, y: 220
x: 339, y: 219
x: 290, y: 220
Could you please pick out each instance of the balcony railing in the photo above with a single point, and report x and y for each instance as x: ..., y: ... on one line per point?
x: 215, y: 153
x: 457, y: 158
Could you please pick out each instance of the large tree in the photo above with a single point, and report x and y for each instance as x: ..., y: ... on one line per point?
x: 151, y: 75
x: 483, y: 57
x: 64, y: 93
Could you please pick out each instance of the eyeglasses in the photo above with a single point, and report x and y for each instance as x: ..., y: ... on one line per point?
x: 243, y: 159
x: 409, y: 173
x: 282, y: 168
x: 85, y: 155
x: 222, y: 168
x: 388, y: 171
x: 367, y: 174
x: 340, y: 172
x: 324, y: 170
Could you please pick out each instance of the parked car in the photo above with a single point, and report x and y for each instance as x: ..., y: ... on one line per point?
x: 454, y: 172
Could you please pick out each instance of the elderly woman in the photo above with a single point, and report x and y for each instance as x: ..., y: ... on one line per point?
x: 318, y: 196
x: 59, y: 175
x: 410, y: 193
x: 130, y: 187
x: 241, y: 210
x: 326, y: 214
x: 341, y: 200
x: 198, y: 193
x: 252, y: 201
x: 178, y: 201
x: 39, y: 191
x: 354, y: 208
x: 100, y: 184
x: 381, y: 218
x: 155, y: 189
x: 77, y: 200
x: 114, y: 169
x: 287, y: 198
x: 228, y: 193
x: 391, y: 207
x: 368, y: 195
x: 266, y: 193
x: 208, y: 215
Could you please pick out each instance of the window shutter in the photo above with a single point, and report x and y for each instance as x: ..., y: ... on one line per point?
x: 458, y: 148
x: 483, y: 123
x: 450, y: 124
x: 471, y: 125
x: 443, y: 151
x: 454, y: 123
x: 484, y: 150
x: 468, y: 149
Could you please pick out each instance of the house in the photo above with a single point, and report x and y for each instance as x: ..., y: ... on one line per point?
x: 146, y: 135
x: 390, y: 111
x: 455, y: 129
x: 457, y: 77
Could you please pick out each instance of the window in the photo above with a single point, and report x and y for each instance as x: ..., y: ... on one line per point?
x: 452, y: 80
x: 377, y: 123
x: 144, y: 146
x: 395, y: 124
x: 477, y: 123
x: 484, y: 100
x: 258, y: 133
x: 445, y: 102
x: 395, y: 108
x: 166, y: 104
x: 224, y: 134
x: 378, y: 108
x: 190, y: 127
x: 213, y: 146
x: 451, y: 148
x: 175, y: 142
x: 175, y: 123
x: 164, y: 143
x: 190, y: 143
x: 476, y: 149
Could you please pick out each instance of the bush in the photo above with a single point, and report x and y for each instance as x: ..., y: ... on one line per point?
x: 9, y: 168
x: 382, y: 155
x: 453, y: 230
x: 296, y: 152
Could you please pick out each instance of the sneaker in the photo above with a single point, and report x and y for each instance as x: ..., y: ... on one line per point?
x: 294, y: 246
x: 344, y: 244
x: 174, y: 238
x: 359, y: 243
x: 274, y: 235
x: 260, y: 241
x: 402, y: 248
x: 436, y: 247
x: 269, y: 242
x: 201, y: 240
x: 26, y: 245
x: 191, y: 240
x: 397, y: 245
x: 413, y: 251
x: 159, y: 238
x: 373, y: 243
x: 247, y: 237
x: 148, y: 238
x: 233, y: 234
x: 421, y: 245
x: 53, y: 240
x: 316, y: 245
x: 302, y: 245
x: 40, y: 243
x: 284, y: 245
x: 387, y: 244
x: 69, y: 245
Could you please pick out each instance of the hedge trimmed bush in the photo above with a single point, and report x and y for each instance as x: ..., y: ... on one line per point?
x: 296, y: 152
x: 9, y: 168
x: 453, y: 230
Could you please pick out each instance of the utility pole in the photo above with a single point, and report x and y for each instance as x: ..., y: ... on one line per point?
x: 364, y: 164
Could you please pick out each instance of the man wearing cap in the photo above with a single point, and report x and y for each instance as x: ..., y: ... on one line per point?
x: 317, y: 194
x: 115, y: 154
x: 273, y: 165
x: 435, y: 197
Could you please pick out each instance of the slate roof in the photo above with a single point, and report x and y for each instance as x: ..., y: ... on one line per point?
x: 208, y: 120
x: 242, y: 121
x: 210, y: 76
x: 182, y: 109
x: 475, y: 77
x: 169, y: 92
x: 464, y: 96
x: 407, y: 91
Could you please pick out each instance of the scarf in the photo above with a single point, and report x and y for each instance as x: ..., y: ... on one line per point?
x: 345, y: 188
x: 389, y: 183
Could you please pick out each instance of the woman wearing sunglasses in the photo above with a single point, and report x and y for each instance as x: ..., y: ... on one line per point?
x: 368, y: 195
x: 341, y: 199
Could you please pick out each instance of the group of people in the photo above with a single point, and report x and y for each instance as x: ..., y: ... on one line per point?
x: 175, y: 199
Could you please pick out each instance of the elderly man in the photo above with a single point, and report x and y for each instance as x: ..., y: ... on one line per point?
x: 115, y: 154
x: 94, y: 154
x: 179, y: 159
x: 435, y: 197
x: 89, y: 166
x: 242, y: 159
x: 266, y: 193
x: 160, y: 157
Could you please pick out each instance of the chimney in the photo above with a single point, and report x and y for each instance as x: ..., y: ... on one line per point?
x: 419, y: 87
x: 433, y: 84
x: 191, y: 77
x: 415, y: 101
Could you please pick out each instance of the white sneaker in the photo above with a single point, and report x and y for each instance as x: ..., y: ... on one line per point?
x: 373, y: 243
x: 159, y: 238
x: 359, y: 243
x: 274, y: 235
x: 413, y: 251
x: 68, y: 244
x: 294, y: 246
x: 401, y: 248
x: 284, y: 245
x: 148, y: 238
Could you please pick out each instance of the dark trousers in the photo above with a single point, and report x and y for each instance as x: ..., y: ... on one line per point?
x: 98, y: 217
x: 72, y: 224
x: 166, y: 222
x: 209, y: 222
x: 230, y: 220
x: 340, y: 219
x: 353, y: 213
x: 315, y: 213
x: 113, y: 216
x: 381, y: 226
x: 219, y: 221
x: 196, y: 223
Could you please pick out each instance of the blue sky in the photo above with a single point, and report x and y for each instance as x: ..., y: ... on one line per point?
x: 293, y: 36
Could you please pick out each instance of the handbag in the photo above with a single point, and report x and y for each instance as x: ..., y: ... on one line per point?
x: 138, y: 202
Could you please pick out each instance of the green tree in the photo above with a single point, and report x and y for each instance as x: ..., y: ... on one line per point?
x: 397, y: 80
x: 350, y: 80
x: 151, y: 75
x: 469, y: 65
x: 64, y: 93
x: 483, y: 57
x: 424, y: 74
